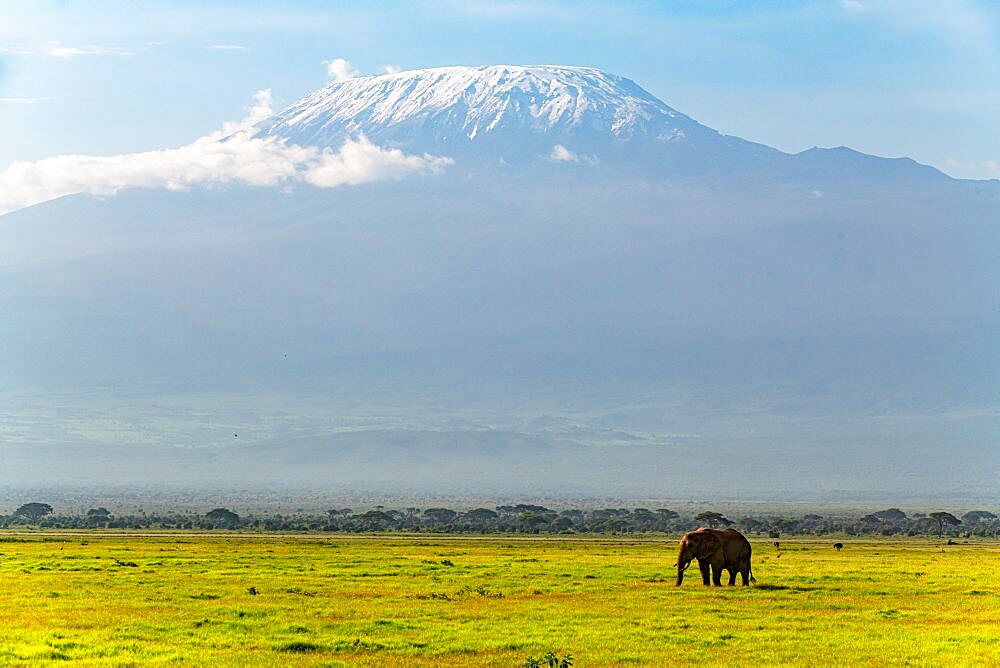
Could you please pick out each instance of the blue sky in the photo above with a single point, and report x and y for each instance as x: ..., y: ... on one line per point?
x: 887, y: 77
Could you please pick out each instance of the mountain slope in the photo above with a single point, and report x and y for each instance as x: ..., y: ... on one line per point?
x: 670, y: 280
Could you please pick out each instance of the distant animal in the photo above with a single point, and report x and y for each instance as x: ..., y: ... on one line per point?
x: 777, y: 545
x: 838, y: 546
x: 252, y: 591
x: 716, y: 550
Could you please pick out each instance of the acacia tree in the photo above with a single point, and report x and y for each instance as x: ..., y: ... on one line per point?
x: 440, y: 515
x: 33, y: 511
x: 374, y: 520
x: 223, y: 518
x: 98, y: 516
x: 713, y: 519
x: 531, y: 521
x: 482, y: 519
x: 892, y: 515
x: 942, y: 518
x: 977, y: 516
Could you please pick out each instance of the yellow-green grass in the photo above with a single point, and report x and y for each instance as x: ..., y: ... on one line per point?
x: 338, y: 600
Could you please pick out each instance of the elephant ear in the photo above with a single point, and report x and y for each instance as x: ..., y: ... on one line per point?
x: 708, y: 544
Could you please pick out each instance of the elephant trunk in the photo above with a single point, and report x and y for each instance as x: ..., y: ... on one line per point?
x: 682, y: 565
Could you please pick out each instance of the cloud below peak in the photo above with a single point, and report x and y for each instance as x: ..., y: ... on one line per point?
x: 232, y: 155
x: 562, y: 154
x: 359, y: 161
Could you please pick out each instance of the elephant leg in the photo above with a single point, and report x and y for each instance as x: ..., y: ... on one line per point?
x: 732, y: 576
x: 703, y: 567
x: 745, y: 574
x: 717, y: 575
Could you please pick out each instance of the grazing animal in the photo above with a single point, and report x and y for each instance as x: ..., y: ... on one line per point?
x: 252, y: 591
x: 838, y: 546
x: 716, y: 550
x: 777, y: 545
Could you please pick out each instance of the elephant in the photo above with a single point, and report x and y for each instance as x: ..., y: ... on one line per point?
x: 838, y: 546
x: 725, y: 549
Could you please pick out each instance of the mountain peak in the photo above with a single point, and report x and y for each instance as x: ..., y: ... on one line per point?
x: 422, y: 109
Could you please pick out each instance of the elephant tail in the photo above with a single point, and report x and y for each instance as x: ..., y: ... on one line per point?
x: 753, y: 580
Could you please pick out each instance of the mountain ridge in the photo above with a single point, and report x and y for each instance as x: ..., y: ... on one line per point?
x: 537, y: 114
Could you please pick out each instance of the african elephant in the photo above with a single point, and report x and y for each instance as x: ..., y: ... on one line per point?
x: 725, y: 549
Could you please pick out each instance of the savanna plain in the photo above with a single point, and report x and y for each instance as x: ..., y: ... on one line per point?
x: 254, y: 599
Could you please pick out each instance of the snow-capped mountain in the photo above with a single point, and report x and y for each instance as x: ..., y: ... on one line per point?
x: 620, y: 266
x: 514, y: 111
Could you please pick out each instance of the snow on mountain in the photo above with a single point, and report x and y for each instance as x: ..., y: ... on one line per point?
x: 457, y: 105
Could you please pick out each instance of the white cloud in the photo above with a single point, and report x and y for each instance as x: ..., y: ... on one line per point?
x: 58, y: 50
x: 562, y: 154
x: 852, y: 6
x: 360, y: 161
x: 227, y: 47
x: 231, y: 155
x: 23, y: 100
x: 73, y: 51
x: 211, y: 160
x: 340, y: 70
x: 392, y: 69
x: 261, y: 109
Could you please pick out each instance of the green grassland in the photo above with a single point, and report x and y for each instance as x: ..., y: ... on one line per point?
x: 438, y: 601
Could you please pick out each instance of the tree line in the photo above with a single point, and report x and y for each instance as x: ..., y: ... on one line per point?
x: 520, y: 518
